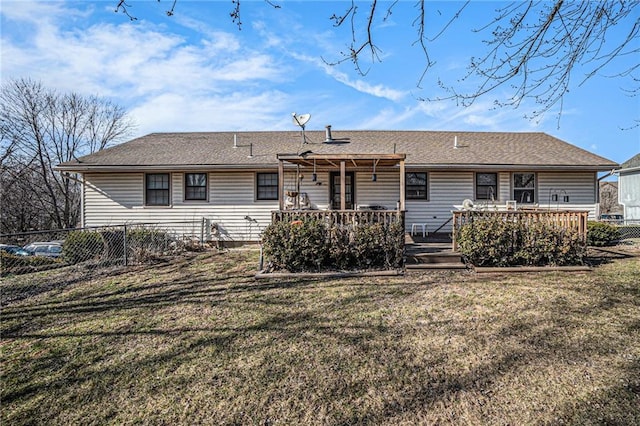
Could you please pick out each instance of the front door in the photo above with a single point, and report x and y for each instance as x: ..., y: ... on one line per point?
x: 349, y: 190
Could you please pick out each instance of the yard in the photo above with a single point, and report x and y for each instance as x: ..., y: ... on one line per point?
x: 199, y: 341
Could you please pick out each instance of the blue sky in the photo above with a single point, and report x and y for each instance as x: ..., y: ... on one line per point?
x: 196, y: 71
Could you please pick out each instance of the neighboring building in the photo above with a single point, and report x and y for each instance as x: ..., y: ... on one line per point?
x: 236, y: 179
x: 629, y: 189
x: 609, y: 198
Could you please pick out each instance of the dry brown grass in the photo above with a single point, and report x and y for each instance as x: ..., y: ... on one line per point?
x: 202, y: 342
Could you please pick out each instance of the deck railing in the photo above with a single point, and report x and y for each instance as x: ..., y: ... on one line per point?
x: 573, y: 220
x: 340, y: 217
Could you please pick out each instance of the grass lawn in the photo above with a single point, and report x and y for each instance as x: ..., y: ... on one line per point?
x: 200, y: 341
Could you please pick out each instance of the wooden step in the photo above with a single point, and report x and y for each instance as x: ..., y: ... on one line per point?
x: 433, y: 258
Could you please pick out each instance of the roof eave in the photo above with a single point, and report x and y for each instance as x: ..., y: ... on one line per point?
x: 556, y: 167
x: 80, y: 168
x: 628, y: 170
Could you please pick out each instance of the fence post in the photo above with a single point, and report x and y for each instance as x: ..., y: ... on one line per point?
x: 124, y: 239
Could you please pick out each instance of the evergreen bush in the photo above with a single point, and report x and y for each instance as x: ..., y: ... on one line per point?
x: 14, y: 264
x: 494, y: 241
x: 601, y: 234
x: 311, y: 245
x: 80, y: 246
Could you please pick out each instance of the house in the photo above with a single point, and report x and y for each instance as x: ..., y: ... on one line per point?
x: 609, y: 198
x: 237, y: 179
x: 629, y: 189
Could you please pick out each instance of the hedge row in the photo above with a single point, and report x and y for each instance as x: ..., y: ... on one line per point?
x: 602, y: 234
x: 495, y: 242
x: 14, y: 264
x: 311, y: 245
x: 82, y: 246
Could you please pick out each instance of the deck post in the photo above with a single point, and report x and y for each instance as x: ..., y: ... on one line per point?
x: 402, y: 186
x: 280, y: 185
x: 454, y: 227
x: 343, y: 183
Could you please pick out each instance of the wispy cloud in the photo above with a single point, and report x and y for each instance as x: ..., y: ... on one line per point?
x: 176, y: 112
x: 297, y: 47
x: 167, y: 81
x: 377, y: 90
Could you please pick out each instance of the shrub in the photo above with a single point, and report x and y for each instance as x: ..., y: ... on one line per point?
x: 13, y: 264
x: 341, y: 254
x: 311, y: 245
x: 494, y: 241
x: 601, y: 234
x: 144, y: 243
x: 80, y: 246
x: 296, y: 246
x: 394, y: 245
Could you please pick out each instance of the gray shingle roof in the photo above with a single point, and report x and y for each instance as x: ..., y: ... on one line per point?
x: 434, y: 149
x: 631, y: 163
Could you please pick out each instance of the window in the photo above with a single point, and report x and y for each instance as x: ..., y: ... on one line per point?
x: 486, y: 186
x: 157, y: 189
x: 267, y: 186
x: 524, y: 187
x: 416, y: 186
x: 195, y: 186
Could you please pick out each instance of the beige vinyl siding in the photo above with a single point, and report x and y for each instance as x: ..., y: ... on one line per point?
x: 446, y: 189
x: 504, y: 187
x: 579, y: 186
x: 118, y: 198
x: 318, y: 192
x: 109, y: 194
x: 385, y: 191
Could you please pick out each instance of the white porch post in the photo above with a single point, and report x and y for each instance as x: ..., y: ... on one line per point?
x: 343, y: 182
x: 281, y: 185
x: 402, y: 186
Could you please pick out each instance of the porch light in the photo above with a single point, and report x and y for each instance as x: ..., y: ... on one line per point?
x: 554, y: 197
x: 565, y: 198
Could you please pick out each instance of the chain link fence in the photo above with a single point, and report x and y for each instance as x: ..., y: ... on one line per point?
x: 34, y: 262
x: 629, y: 230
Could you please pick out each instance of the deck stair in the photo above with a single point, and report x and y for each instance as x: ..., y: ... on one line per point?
x: 431, y: 254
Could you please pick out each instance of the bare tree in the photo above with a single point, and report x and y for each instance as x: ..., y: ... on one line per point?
x: 534, y: 49
x: 538, y: 46
x: 609, y: 197
x: 39, y: 129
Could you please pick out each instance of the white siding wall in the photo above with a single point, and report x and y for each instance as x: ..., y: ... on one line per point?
x: 446, y: 189
x: 318, y: 192
x: 579, y: 186
x: 504, y: 187
x: 385, y: 191
x: 449, y: 189
x: 113, y: 199
x: 117, y: 198
x: 629, y: 194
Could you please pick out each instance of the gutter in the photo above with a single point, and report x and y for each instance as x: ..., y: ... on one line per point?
x: 269, y: 166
